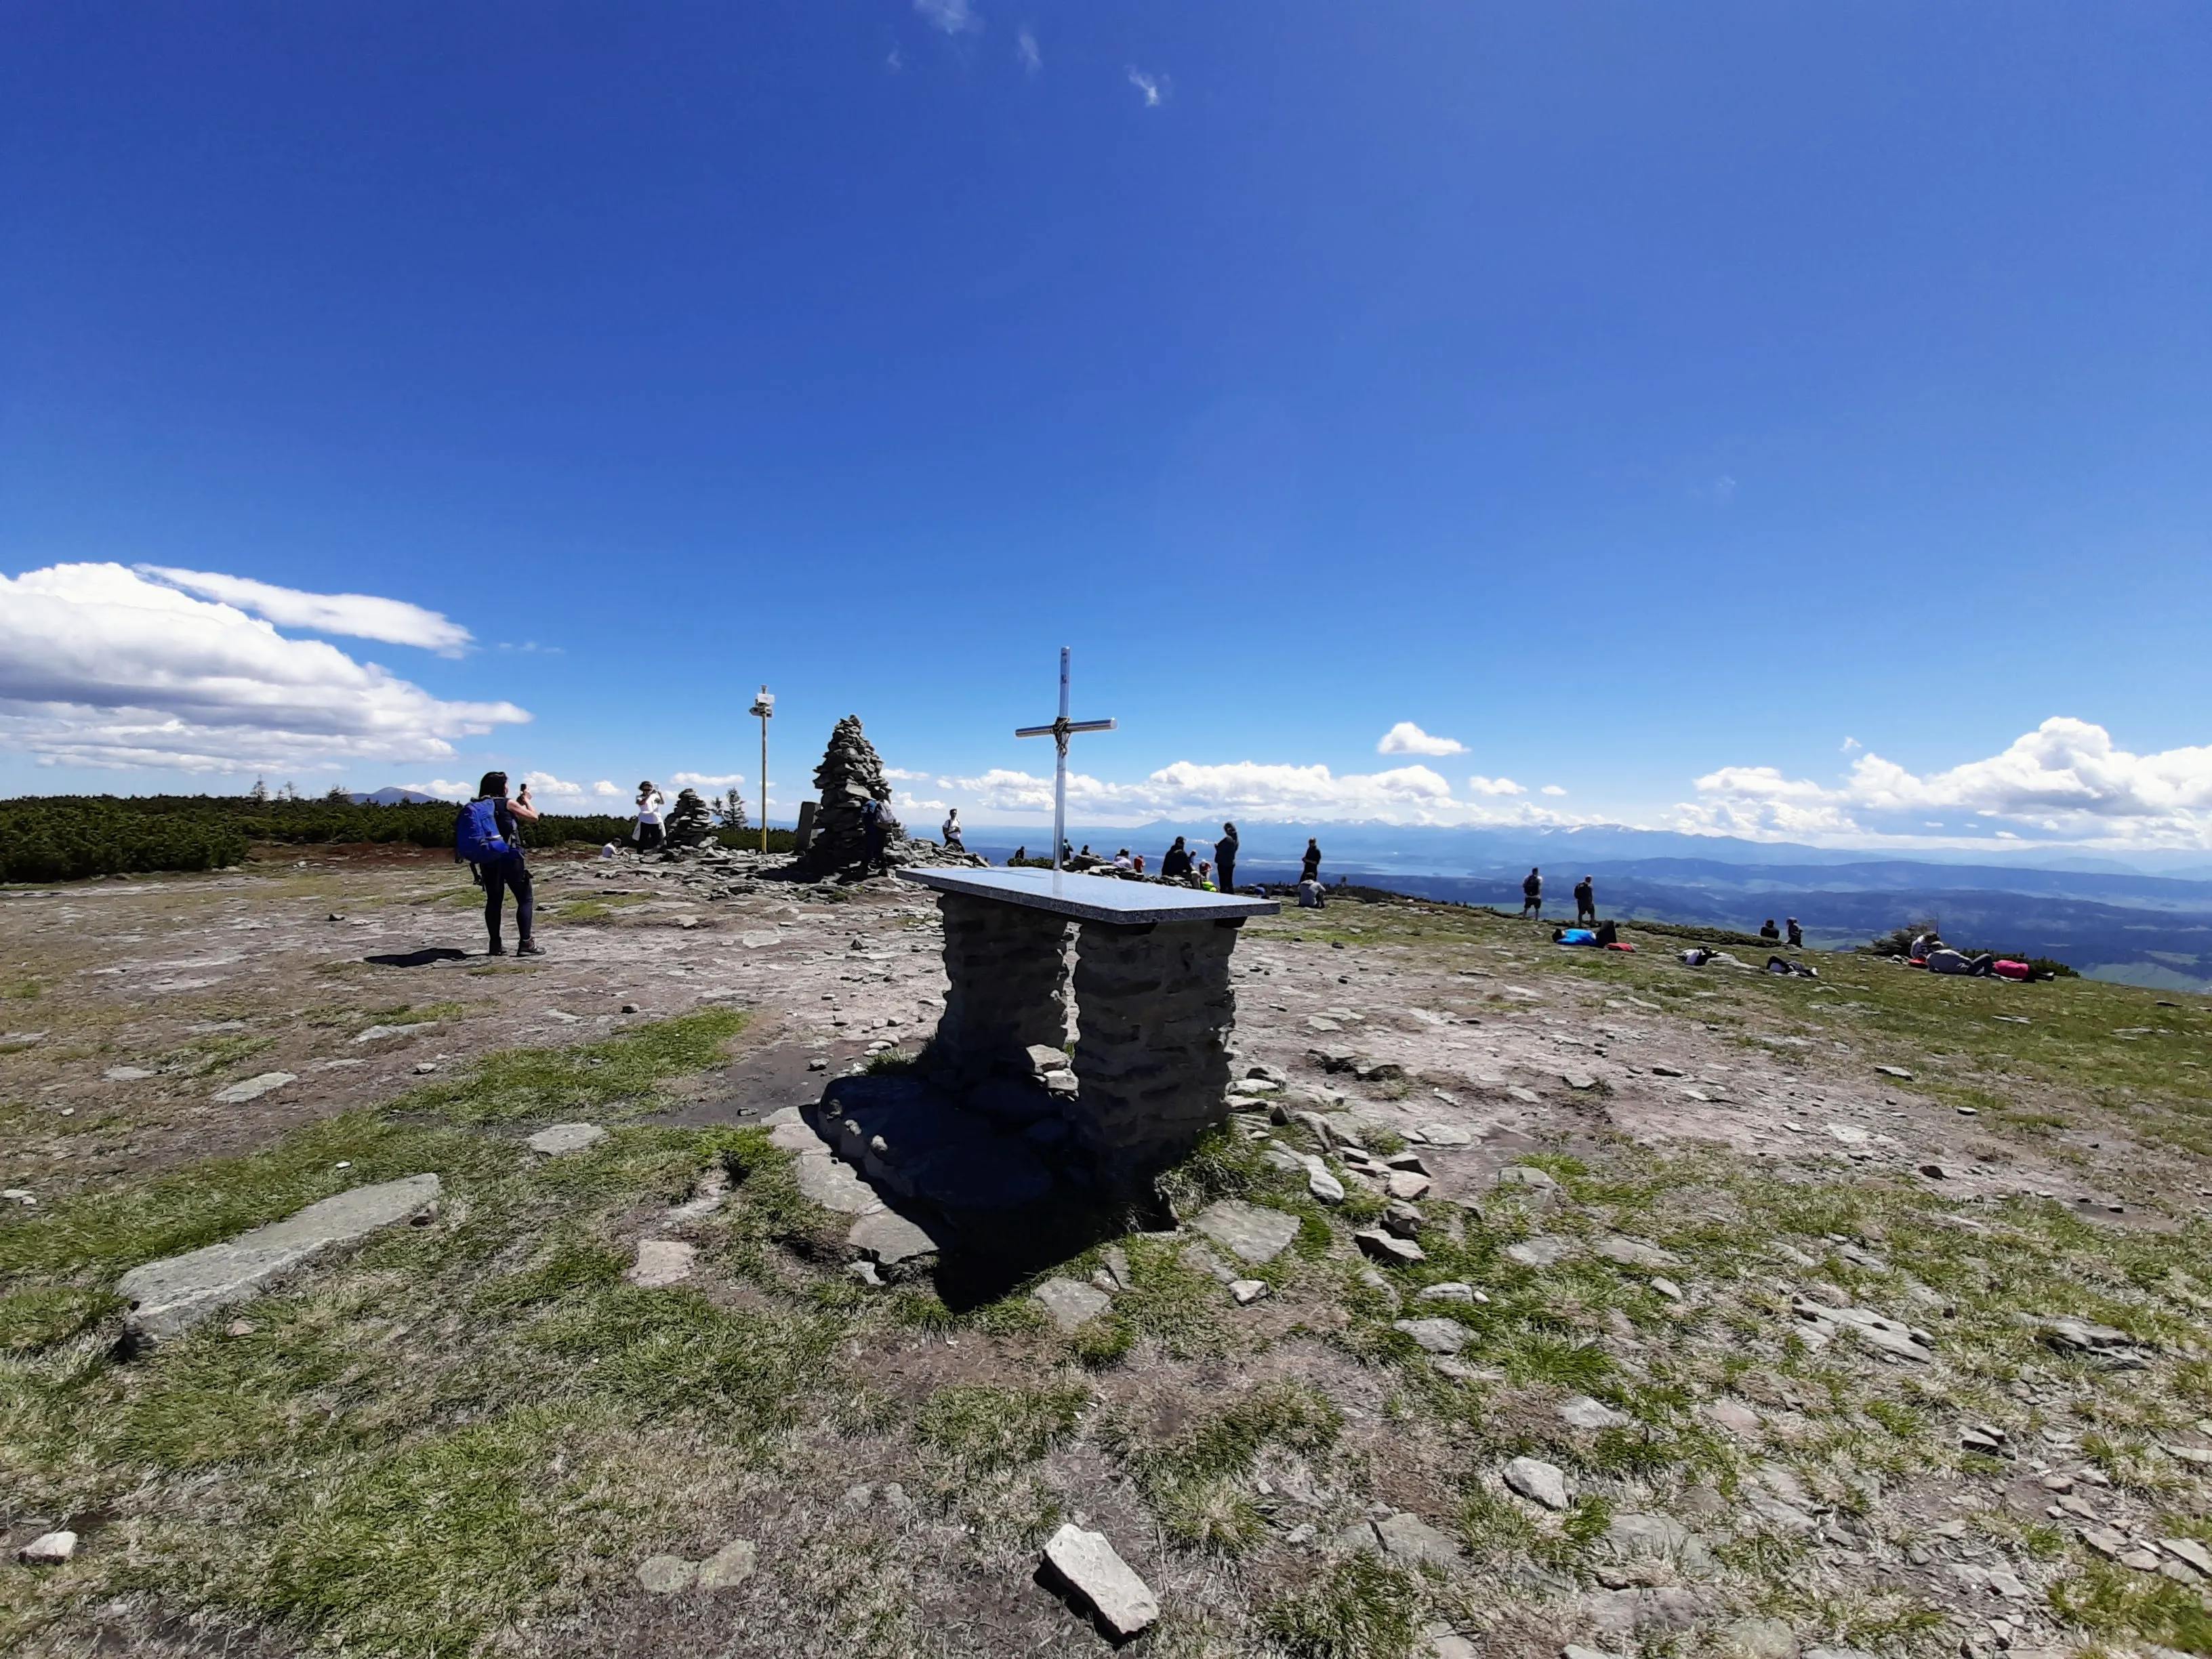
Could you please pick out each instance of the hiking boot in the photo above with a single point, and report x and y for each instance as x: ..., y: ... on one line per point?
x: 529, y: 949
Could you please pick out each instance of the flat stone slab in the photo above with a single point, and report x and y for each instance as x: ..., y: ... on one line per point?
x: 826, y: 1181
x: 887, y: 1238
x: 253, y: 1088
x: 1583, y: 1413
x: 127, y: 1074
x: 560, y: 1138
x: 661, y: 1262
x: 1071, y: 1303
x: 173, y: 1295
x: 1091, y: 898
x: 1091, y: 1567
x: 1437, y: 1335
x: 1251, y: 1232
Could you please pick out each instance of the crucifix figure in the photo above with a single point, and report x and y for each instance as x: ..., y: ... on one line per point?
x: 1060, y: 730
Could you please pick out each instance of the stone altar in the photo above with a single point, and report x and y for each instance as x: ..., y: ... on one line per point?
x: 1148, y: 991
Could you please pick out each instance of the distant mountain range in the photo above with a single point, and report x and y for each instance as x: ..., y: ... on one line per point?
x: 2097, y: 915
x: 394, y: 797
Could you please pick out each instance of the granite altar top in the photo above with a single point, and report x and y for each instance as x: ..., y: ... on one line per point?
x: 1092, y: 898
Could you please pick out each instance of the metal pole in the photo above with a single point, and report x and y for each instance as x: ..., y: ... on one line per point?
x: 1059, y: 775
x: 763, y: 776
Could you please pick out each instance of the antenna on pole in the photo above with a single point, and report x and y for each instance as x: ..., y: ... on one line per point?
x: 763, y: 706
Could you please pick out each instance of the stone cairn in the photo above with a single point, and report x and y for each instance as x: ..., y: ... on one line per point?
x: 690, y: 824
x: 851, y: 774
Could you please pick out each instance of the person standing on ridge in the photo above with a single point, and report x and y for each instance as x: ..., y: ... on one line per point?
x: 1309, y: 865
x: 1532, y: 896
x: 488, y: 837
x: 647, y: 834
x: 1586, y: 901
x: 1224, y: 855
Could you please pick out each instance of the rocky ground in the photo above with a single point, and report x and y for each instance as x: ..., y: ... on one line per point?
x: 1532, y: 1297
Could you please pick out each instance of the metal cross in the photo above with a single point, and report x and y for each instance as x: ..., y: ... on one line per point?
x: 1060, y: 730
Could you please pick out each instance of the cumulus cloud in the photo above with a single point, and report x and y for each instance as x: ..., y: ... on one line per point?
x: 444, y: 788
x: 1154, y: 87
x: 1406, y: 794
x: 2067, y: 780
x: 1407, y: 739
x: 1483, y: 786
x: 708, y: 779
x: 356, y: 616
x: 605, y: 788
x: 101, y: 666
x: 1553, y: 789
x: 953, y: 16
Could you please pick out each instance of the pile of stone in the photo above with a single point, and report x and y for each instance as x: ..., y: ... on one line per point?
x: 850, y: 775
x: 690, y: 822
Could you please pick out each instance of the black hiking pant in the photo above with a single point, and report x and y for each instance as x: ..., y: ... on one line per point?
x: 509, y: 872
x: 1225, y: 876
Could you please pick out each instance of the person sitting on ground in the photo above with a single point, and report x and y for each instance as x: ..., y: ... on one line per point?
x: 1796, y: 934
x: 1921, y: 945
x: 1309, y: 864
x: 1769, y: 932
x: 1310, y: 893
x: 1176, y: 866
x: 1138, y: 861
x: 510, y: 874
x: 1020, y: 853
x: 1586, y: 900
x: 952, y: 832
x: 1532, y: 896
x: 1206, y: 874
x: 1121, y: 860
x: 646, y: 834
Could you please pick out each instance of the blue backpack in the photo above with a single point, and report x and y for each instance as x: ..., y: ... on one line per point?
x: 476, y: 839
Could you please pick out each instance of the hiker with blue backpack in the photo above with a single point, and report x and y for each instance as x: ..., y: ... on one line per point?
x: 489, y: 839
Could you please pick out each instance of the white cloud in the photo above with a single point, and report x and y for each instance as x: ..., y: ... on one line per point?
x: 1851, y: 745
x: 1406, y: 794
x: 2066, y: 778
x: 100, y: 667
x: 356, y: 616
x: 604, y: 788
x: 542, y: 784
x: 1407, y: 739
x: 1154, y: 86
x: 1552, y: 789
x: 953, y: 16
x: 1026, y: 53
x: 444, y: 788
x: 709, y: 779
x: 1483, y: 786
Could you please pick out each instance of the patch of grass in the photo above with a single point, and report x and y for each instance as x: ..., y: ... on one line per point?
x: 744, y: 1372
x: 983, y: 1428
x: 1359, y: 1607
x: 534, y: 1083
x: 1194, y: 1481
x: 426, y: 1552
x: 2110, y: 1601
x: 282, y: 1390
x: 45, y: 1316
x: 1183, y: 1310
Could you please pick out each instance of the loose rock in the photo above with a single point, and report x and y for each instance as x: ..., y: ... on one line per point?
x: 48, y: 1549
x: 1070, y: 1301
x: 1538, y: 1481
x: 559, y: 1137
x: 1090, y: 1567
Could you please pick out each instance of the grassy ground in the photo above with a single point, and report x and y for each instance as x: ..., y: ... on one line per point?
x: 466, y: 1436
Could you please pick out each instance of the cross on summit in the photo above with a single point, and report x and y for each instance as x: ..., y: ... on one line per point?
x: 1060, y: 730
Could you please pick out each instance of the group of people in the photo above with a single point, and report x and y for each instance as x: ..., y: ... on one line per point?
x: 1772, y: 934
x: 1532, y: 897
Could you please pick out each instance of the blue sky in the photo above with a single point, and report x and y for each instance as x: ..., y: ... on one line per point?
x: 1630, y: 395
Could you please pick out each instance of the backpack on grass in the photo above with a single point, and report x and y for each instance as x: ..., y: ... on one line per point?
x: 476, y: 839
